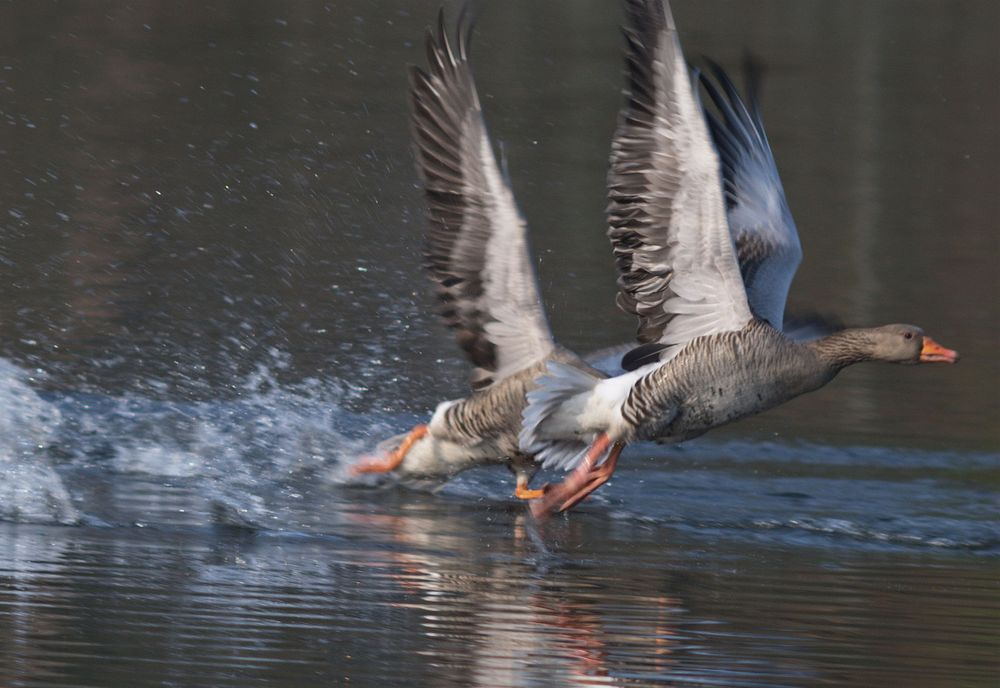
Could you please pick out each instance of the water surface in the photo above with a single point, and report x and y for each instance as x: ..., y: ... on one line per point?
x: 212, y: 300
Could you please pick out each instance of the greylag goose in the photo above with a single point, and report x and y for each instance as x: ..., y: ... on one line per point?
x: 708, y: 286
x: 477, y: 256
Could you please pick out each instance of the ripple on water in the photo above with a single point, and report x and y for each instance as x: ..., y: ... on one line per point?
x: 239, y: 557
x: 244, y: 463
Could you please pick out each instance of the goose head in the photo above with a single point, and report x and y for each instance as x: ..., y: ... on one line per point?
x: 907, y: 344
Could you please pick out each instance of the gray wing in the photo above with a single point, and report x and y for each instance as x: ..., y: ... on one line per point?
x: 476, y: 250
x: 767, y: 243
x: 677, y: 266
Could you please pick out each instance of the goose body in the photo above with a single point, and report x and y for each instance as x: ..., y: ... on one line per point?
x: 722, y: 378
x: 706, y: 250
x: 478, y: 430
x: 719, y: 379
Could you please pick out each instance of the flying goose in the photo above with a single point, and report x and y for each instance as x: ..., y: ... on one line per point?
x: 706, y: 250
x: 477, y: 256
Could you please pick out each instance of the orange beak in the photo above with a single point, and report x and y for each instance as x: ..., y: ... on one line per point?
x: 932, y: 352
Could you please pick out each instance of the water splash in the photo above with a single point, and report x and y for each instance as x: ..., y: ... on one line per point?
x: 31, y: 491
x: 237, y: 455
x: 247, y: 462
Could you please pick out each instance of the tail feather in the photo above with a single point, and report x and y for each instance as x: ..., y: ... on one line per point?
x: 547, y: 407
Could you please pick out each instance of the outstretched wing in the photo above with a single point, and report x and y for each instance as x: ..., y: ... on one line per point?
x: 476, y: 249
x: 767, y: 243
x: 677, y: 266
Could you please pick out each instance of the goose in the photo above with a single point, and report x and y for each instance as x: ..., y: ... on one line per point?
x: 706, y: 250
x: 477, y: 256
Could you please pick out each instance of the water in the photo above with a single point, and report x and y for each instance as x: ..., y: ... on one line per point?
x: 211, y: 300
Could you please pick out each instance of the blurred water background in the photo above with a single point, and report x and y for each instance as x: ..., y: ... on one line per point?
x: 211, y: 298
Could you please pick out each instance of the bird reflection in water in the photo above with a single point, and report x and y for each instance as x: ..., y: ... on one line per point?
x: 520, y: 610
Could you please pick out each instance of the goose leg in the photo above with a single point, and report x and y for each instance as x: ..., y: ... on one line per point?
x: 584, y: 479
x: 521, y: 490
x: 524, y: 468
x: 384, y: 464
x: 600, y: 475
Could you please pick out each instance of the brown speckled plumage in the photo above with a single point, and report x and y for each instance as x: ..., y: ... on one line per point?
x: 494, y: 414
x: 721, y: 378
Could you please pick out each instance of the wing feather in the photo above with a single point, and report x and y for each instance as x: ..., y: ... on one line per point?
x: 767, y: 242
x: 677, y: 265
x: 477, y: 249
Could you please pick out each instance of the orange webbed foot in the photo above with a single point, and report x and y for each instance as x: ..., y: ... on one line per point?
x: 522, y: 491
x: 586, y: 478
